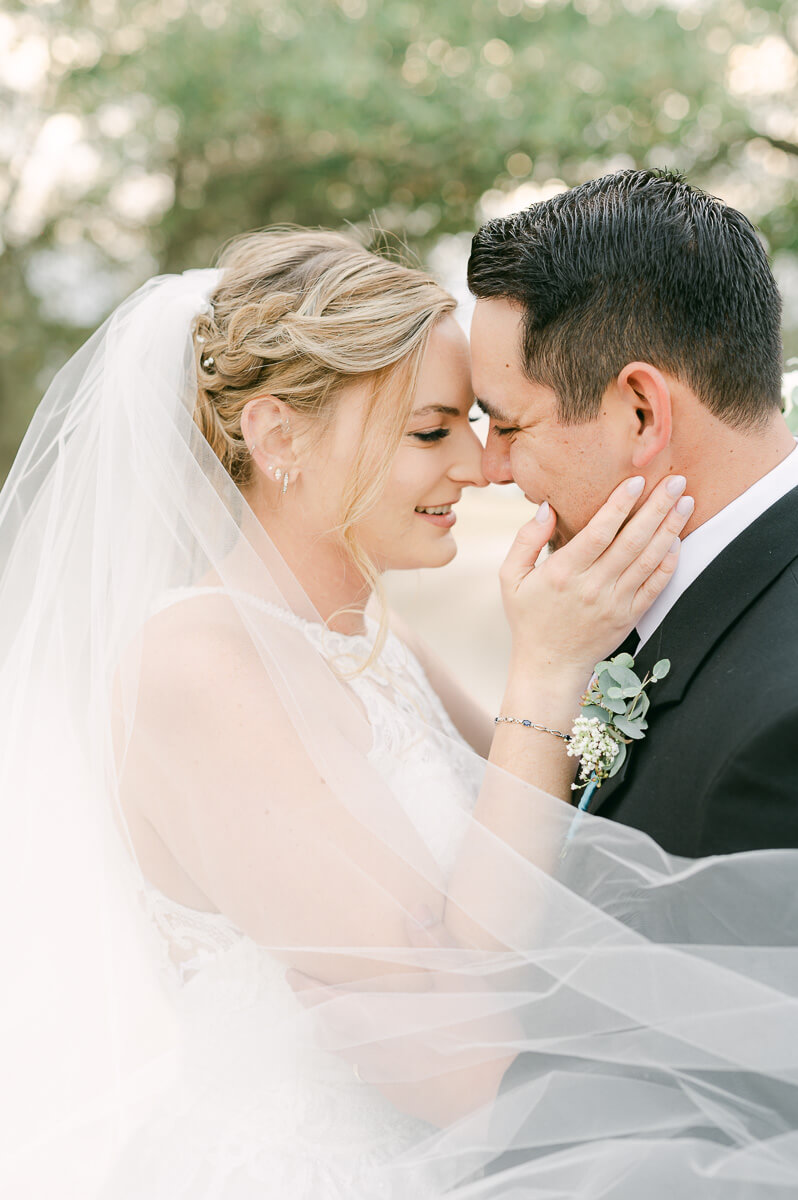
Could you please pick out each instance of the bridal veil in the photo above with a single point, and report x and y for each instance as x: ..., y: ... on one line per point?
x: 650, y: 1002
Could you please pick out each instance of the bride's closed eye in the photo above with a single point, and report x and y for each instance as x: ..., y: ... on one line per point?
x: 431, y: 435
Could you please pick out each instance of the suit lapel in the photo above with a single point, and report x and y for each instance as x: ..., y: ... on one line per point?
x: 709, y: 608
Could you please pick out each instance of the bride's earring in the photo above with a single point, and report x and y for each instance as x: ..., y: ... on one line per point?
x: 280, y: 474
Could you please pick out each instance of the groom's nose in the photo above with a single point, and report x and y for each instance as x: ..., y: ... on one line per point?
x: 496, y: 461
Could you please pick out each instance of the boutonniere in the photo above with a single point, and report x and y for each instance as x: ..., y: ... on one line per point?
x: 614, y: 709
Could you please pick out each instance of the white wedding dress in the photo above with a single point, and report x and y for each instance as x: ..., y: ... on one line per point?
x: 258, y: 1114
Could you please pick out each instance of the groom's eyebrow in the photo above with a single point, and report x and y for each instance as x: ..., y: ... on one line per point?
x: 490, y: 411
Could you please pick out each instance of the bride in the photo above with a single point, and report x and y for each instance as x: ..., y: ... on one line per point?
x: 223, y: 759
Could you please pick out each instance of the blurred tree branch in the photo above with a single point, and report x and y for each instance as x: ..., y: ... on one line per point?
x: 142, y: 134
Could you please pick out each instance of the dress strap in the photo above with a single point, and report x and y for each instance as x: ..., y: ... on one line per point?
x: 176, y: 595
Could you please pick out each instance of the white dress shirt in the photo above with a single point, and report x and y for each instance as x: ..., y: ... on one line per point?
x: 706, y: 542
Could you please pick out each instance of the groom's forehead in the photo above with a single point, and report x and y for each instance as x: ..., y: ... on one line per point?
x: 496, y: 328
x: 496, y: 346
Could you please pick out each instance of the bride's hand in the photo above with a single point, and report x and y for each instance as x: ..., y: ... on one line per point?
x: 582, y: 601
x: 439, y: 1079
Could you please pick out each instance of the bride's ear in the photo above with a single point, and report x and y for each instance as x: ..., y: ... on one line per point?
x: 646, y: 392
x: 268, y: 428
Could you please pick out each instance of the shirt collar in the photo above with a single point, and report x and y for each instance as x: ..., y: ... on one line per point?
x: 705, y: 543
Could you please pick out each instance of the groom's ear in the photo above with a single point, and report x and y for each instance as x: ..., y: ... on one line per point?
x: 645, y: 393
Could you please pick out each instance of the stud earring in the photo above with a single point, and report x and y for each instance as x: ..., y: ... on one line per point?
x: 285, y: 483
x: 278, y: 474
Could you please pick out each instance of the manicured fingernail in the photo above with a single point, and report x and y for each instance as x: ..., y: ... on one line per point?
x: 675, y: 544
x: 635, y: 486
x: 542, y: 515
x: 685, y: 506
x: 674, y: 487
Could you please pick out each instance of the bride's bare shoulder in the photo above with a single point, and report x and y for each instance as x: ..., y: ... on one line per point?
x: 194, y: 649
x: 191, y: 629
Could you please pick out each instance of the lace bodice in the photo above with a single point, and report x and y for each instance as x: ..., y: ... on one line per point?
x: 254, y: 1087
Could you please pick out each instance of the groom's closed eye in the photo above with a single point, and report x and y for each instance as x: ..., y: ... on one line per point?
x: 499, y: 423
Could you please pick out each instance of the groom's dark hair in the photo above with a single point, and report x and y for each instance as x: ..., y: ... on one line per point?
x: 638, y: 265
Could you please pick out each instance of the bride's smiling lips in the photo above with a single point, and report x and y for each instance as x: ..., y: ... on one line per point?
x: 438, y: 514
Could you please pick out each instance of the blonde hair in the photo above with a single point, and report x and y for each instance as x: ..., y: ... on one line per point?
x: 300, y: 315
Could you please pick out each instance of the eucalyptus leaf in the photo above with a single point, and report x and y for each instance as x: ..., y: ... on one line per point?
x: 628, y: 692
x: 632, y: 729
x: 624, y: 677
x: 601, y: 666
x: 595, y: 710
x: 661, y: 668
x: 623, y: 660
x: 607, y: 681
x: 615, y: 693
x: 615, y: 706
x: 620, y: 759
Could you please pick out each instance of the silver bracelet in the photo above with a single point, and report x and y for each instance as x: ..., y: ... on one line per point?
x: 502, y: 720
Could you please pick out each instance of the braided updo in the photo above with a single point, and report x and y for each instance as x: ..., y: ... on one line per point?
x: 300, y: 314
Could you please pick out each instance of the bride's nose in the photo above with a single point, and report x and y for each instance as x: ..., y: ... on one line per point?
x: 467, y: 466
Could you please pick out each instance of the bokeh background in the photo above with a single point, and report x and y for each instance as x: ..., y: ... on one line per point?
x: 136, y: 137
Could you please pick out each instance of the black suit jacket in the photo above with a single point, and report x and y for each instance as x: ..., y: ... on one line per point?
x: 718, y: 769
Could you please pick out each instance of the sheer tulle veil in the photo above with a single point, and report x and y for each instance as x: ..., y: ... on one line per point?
x: 652, y: 1001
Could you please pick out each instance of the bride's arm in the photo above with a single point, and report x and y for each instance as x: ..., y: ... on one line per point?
x: 564, y: 616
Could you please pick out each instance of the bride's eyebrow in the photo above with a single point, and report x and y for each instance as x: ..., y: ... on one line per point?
x: 436, y: 408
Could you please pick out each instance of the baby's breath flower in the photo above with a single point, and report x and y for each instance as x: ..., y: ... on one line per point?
x: 594, y: 744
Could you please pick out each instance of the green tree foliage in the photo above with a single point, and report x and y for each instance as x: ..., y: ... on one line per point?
x: 142, y: 135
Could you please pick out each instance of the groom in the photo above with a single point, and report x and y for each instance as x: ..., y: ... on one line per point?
x: 631, y: 326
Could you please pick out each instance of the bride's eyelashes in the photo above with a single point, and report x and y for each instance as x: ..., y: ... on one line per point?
x: 431, y: 435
